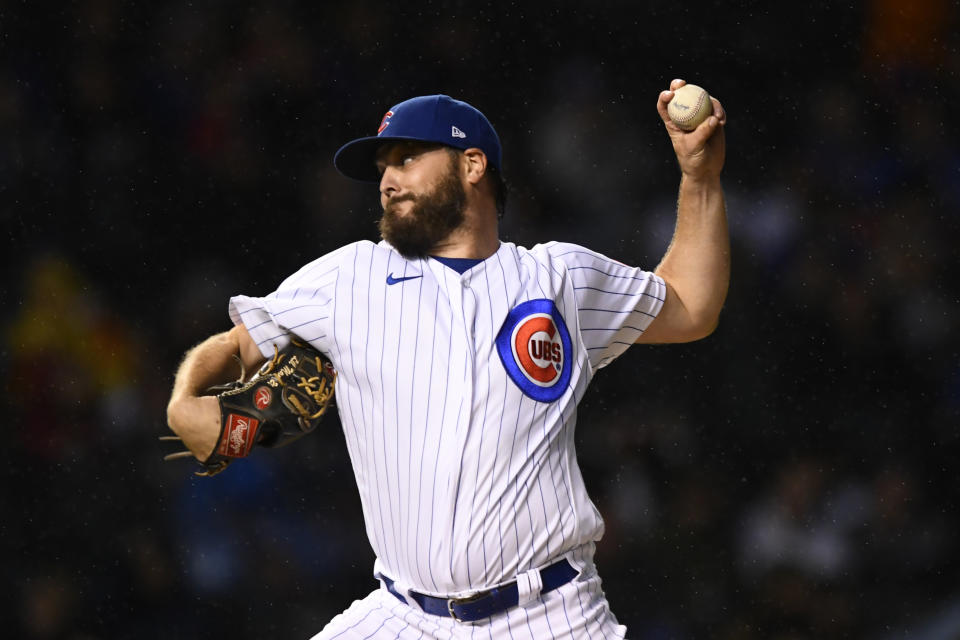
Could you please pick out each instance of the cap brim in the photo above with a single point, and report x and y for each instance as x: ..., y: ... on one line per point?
x: 358, y: 158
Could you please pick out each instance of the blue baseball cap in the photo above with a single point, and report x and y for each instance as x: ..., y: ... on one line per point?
x: 439, y: 119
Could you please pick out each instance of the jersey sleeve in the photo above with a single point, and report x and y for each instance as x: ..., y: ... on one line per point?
x: 301, y: 306
x: 615, y: 302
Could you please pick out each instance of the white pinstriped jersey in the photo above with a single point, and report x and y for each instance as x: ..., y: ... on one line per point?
x: 458, y: 394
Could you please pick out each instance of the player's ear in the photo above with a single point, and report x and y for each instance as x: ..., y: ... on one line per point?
x: 476, y: 164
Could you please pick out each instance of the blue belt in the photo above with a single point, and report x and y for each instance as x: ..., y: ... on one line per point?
x: 486, y: 603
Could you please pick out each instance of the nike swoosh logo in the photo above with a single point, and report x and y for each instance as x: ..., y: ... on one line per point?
x: 392, y: 280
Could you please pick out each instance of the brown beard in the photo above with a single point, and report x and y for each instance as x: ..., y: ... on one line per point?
x: 432, y: 217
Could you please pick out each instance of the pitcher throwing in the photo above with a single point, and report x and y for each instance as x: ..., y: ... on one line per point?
x: 460, y: 360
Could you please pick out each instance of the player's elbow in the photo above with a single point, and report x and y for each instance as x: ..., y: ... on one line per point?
x: 706, y: 327
x: 678, y: 329
x: 701, y: 315
x: 698, y: 329
x: 176, y: 415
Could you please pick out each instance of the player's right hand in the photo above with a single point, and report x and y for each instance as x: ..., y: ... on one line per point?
x: 701, y: 152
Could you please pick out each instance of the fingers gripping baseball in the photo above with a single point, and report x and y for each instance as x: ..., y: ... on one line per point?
x: 701, y: 151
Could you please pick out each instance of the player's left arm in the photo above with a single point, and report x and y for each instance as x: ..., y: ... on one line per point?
x: 696, y: 266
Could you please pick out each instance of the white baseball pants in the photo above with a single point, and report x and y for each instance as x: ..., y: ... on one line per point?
x: 577, y: 610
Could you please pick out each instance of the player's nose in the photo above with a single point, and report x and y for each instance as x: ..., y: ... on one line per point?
x: 388, y: 182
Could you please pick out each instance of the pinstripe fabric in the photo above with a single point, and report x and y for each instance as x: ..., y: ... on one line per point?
x: 465, y: 479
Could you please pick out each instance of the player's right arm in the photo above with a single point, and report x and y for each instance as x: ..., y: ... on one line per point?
x: 696, y: 266
x: 196, y: 417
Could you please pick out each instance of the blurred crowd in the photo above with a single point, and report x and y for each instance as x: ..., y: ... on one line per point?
x: 793, y: 476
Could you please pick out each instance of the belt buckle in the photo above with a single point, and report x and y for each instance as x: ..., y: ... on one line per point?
x: 452, y: 602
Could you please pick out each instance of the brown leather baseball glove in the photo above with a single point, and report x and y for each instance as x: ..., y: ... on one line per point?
x: 283, y: 402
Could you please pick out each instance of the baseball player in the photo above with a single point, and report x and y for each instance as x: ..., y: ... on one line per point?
x: 460, y: 360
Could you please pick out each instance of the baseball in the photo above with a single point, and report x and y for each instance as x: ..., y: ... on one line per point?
x: 690, y: 106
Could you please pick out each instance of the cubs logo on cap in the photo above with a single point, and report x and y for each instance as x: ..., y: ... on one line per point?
x: 384, y: 122
x: 535, y: 349
x: 437, y: 119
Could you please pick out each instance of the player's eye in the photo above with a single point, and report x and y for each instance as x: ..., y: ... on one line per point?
x: 408, y: 158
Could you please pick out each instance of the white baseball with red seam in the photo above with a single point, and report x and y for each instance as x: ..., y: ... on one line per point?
x: 690, y: 106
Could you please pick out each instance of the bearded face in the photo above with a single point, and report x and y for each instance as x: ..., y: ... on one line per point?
x: 429, y: 219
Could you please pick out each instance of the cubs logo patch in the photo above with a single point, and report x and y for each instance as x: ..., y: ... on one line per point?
x: 535, y: 348
x: 385, y: 122
x: 263, y: 397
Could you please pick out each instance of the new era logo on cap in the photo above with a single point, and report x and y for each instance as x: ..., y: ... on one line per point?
x: 437, y: 118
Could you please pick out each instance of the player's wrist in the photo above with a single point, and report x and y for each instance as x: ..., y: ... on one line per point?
x: 700, y: 181
x: 194, y: 418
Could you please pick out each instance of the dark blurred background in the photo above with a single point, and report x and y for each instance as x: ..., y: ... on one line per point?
x: 793, y: 476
